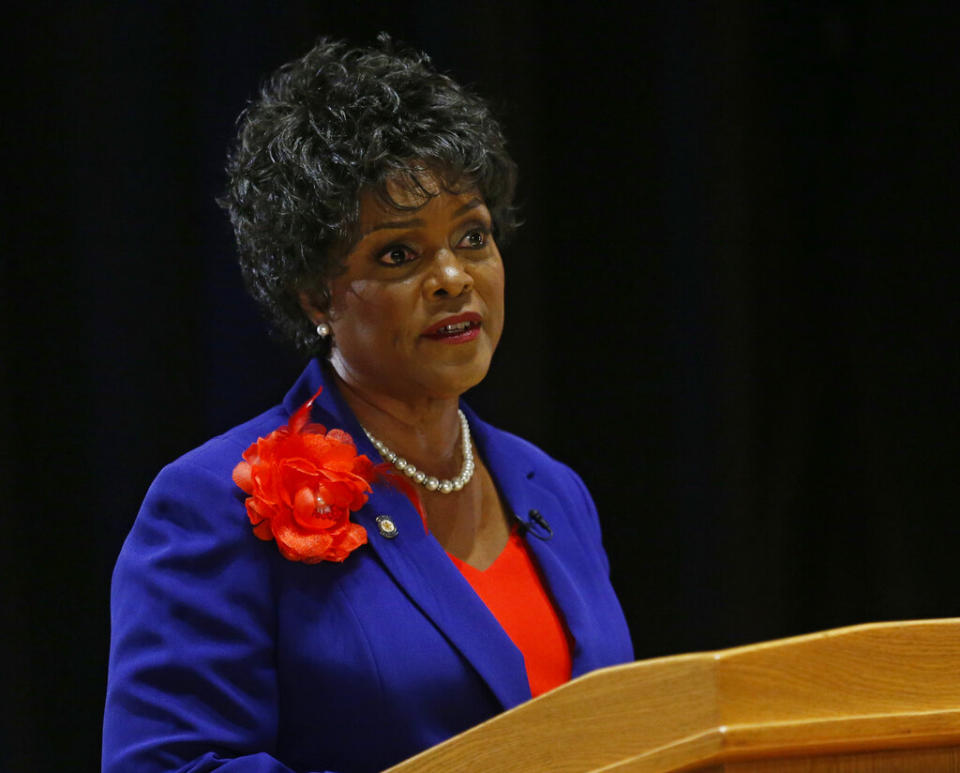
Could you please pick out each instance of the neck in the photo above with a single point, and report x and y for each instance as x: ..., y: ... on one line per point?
x: 426, y: 434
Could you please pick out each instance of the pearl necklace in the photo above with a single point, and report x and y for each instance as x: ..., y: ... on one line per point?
x: 419, y: 476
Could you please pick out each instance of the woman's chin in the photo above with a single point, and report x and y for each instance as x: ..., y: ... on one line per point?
x: 453, y: 381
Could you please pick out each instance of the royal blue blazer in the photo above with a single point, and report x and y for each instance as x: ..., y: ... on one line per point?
x: 226, y: 656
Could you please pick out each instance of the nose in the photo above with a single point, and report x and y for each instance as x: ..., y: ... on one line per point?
x: 448, y: 276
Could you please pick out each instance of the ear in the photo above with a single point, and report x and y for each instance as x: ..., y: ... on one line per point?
x: 309, y: 302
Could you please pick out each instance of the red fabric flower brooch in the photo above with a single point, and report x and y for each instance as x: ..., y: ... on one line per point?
x: 303, y: 483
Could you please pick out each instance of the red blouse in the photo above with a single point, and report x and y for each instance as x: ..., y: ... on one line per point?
x: 513, y: 591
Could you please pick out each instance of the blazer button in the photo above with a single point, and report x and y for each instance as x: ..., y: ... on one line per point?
x: 386, y: 526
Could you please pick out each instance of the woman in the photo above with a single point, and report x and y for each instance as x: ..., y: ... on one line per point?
x: 340, y: 597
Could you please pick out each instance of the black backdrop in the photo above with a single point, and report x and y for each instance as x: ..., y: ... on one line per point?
x: 733, y: 306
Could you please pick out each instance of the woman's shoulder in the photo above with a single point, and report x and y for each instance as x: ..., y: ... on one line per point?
x: 196, y: 492
x: 223, y: 451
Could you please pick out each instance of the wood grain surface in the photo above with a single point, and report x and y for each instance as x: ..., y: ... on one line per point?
x: 873, y: 697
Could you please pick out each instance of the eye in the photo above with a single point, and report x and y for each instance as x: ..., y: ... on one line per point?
x: 396, y: 255
x: 475, y: 238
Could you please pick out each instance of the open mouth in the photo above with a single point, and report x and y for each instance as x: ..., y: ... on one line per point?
x: 463, y: 327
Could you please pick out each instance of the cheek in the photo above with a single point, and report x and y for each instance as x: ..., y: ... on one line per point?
x: 494, y: 283
x: 371, y: 315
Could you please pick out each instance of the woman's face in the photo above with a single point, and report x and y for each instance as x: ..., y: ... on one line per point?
x: 419, y: 310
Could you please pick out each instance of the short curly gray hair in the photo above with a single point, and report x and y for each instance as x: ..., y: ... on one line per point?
x: 328, y: 126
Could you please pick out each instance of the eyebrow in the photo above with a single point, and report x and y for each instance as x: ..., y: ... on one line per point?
x: 417, y: 221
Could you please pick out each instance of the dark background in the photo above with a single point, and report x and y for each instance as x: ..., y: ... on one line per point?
x: 733, y: 306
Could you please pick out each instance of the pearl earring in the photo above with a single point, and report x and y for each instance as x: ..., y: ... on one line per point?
x: 323, y: 330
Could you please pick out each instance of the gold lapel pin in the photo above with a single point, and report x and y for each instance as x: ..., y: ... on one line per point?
x: 386, y: 526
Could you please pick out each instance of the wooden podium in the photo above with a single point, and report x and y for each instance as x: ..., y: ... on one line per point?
x: 877, y: 697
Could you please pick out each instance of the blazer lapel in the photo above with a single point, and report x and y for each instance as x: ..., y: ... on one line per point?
x: 518, y: 485
x: 422, y: 568
x: 419, y: 564
x: 570, y: 602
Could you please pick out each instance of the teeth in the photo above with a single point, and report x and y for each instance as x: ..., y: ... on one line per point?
x: 457, y: 328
